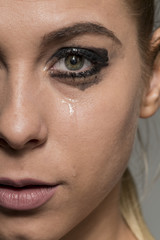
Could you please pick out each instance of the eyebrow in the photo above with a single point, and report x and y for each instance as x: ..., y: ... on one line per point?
x: 67, y: 33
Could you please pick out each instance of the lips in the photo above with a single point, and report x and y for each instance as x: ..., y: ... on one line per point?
x: 25, y: 194
x: 22, y: 182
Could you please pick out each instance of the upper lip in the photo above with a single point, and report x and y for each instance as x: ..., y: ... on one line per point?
x: 24, y: 182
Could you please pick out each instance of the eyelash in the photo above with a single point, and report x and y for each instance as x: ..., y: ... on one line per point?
x: 94, y: 58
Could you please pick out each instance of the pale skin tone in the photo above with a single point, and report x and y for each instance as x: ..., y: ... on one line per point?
x: 84, y: 137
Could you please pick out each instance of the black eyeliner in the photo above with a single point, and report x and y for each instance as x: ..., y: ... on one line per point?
x: 97, y: 56
x: 74, y: 75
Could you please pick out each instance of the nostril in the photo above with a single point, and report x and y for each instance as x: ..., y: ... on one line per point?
x: 31, y: 143
x: 3, y: 143
x: 34, y: 141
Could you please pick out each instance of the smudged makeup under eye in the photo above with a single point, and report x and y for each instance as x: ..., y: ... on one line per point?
x: 78, y: 66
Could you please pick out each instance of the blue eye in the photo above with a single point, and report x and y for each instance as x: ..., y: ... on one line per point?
x: 69, y: 64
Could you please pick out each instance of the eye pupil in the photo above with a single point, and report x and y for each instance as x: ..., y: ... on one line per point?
x: 74, y: 60
x: 74, y: 63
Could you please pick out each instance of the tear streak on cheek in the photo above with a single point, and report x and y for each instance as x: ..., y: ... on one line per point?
x: 67, y: 110
x: 71, y: 105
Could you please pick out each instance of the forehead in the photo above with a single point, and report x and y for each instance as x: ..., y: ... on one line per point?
x: 57, y: 12
x: 27, y: 21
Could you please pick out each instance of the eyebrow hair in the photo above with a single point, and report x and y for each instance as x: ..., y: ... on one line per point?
x: 66, y: 33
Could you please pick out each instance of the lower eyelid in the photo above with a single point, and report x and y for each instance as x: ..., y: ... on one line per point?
x: 75, y: 81
x: 81, y: 84
x: 73, y: 75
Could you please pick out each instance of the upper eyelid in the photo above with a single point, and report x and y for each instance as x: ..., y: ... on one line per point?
x: 100, y: 53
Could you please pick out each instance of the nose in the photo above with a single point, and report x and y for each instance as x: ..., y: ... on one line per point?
x: 21, y: 124
x: 21, y: 132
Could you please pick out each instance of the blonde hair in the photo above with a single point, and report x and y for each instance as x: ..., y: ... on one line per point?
x: 131, y: 210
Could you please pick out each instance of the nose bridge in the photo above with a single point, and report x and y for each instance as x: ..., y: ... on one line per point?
x: 20, y: 120
x: 20, y: 91
x: 20, y: 88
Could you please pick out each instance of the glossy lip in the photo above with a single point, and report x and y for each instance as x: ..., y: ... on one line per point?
x: 25, y: 194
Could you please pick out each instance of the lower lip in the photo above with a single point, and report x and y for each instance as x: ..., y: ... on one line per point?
x: 22, y: 199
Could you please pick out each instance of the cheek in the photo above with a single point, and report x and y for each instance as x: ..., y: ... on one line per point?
x: 104, y: 138
x: 96, y: 133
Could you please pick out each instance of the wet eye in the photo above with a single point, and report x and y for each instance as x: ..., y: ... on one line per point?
x: 76, y: 66
x: 72, y: 63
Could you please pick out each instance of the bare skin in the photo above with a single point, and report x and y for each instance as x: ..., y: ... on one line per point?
x: 84, y: 135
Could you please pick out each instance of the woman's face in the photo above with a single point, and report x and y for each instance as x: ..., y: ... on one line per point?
x: 69, y: 102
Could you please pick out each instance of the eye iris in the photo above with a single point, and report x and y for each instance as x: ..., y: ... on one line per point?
x: 74, y: 62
